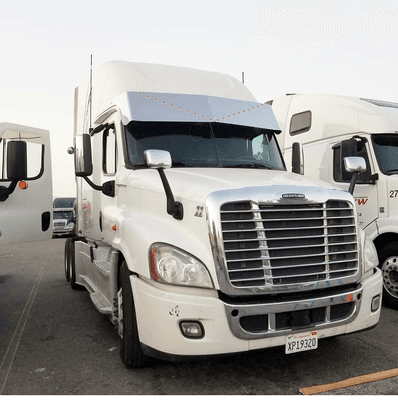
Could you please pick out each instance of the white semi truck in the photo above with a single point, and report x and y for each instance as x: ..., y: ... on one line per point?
x: 26, y: 184
x: 331, y: 127
x: 192, y: 237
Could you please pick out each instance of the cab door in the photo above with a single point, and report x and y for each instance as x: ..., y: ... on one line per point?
x: 109, y: 212
x: 365, y: 192
x: 26, y: 212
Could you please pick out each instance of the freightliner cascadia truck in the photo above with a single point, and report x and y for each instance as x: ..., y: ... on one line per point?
x: 191, y: 235
x: 26, y: 184
x: 330, y: 128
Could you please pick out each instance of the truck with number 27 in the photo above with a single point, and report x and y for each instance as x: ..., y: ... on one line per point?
x: 330, y: 128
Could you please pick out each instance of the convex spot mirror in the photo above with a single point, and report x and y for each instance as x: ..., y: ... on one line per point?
x: 355, y: 164
x: 83, y: 157
x: 157, y: 159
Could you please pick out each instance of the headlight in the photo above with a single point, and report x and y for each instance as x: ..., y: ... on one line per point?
x: 370, y: 258
x: 175, y: 266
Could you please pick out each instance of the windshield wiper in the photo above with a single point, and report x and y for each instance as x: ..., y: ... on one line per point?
x: 258, y: 166
x: 392, y: 170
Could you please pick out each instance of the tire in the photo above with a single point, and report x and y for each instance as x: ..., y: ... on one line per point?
x: 67, y: 260
x: 130, y: 347
x: 388, y: 263
x: 70, y: 267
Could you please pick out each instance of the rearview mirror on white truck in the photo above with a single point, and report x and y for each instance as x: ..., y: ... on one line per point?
x: 83, y: 158
x: 160, y: 159
x: 84, y: 165
x: 16, y: 160
x: 355, y: 165
x: 297, y: 158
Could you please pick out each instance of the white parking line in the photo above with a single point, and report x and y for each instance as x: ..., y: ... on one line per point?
x: 6, y: 364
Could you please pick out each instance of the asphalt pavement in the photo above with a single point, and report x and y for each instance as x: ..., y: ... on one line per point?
x: 53, y: 341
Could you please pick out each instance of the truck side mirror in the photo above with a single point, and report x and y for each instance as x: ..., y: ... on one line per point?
x: 84, y: 164
x: 157, y: 159
x: 354, y: 165
x: 83, y: 158
x: 16, y: 160
x: 297, y: 158
x: 160, y: 159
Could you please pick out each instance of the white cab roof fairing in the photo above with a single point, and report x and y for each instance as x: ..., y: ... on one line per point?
x: 145, y: 106
x: 116, y: 77
x: 334, y: 114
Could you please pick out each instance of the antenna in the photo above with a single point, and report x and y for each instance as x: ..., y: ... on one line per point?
x: 243, y: 77
x: 91, y: 90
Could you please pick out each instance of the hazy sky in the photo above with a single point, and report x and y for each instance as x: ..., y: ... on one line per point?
x: 340, y: 47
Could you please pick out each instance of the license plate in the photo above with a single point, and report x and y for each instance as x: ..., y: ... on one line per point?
x: 301, y: 342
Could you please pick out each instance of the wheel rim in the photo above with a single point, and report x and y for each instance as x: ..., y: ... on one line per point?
x: 390, y: 275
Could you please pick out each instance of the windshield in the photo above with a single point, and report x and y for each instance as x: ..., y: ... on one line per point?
x: 63, y: 215
x: 63, y: 202
x: 386, y: 148
x: 204, y: 144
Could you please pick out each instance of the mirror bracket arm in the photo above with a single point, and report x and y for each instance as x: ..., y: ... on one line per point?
x: 108, y: 188
x: 352, y: 183
x: 6, y: 191
x: 174, y: 208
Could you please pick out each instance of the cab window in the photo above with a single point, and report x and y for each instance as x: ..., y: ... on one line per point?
x: 353, y: 147
x: 109, y: 157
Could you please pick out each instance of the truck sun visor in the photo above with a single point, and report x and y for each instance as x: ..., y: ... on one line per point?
x: 149, y: 106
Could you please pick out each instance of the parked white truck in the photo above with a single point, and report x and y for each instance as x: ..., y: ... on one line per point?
x: 26, y: 184
x: 192, y: 237
x: 331, y: 127
x: 64, y: 219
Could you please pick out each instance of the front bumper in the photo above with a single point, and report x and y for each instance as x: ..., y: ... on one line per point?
x: 63, y: 231
x: 160, y: 312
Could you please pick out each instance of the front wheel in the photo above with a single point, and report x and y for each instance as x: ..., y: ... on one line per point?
x: 130, y: 347
x: 388, y: 258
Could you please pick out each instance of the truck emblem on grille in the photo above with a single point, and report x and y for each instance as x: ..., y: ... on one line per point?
x: 199, y: 211
x: 293, y: 196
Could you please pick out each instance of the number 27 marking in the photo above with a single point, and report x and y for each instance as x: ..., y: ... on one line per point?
x: 393, y: 193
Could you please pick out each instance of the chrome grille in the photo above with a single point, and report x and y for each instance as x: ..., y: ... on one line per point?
x: 288, y: 244
x: 59, y: 223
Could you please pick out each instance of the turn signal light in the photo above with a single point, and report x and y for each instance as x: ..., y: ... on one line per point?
x: 23, y: 185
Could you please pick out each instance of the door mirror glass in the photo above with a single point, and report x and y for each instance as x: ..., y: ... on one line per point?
x: 83, y: 157
x: 297, y: 158
x: 16, y: 160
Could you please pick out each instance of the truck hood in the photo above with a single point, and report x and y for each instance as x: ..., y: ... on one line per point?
x: 195, y: 184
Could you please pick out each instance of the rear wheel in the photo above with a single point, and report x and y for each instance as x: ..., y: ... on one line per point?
x: 130, y: 347
x: 69, y: 261
x: 388, y: 258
